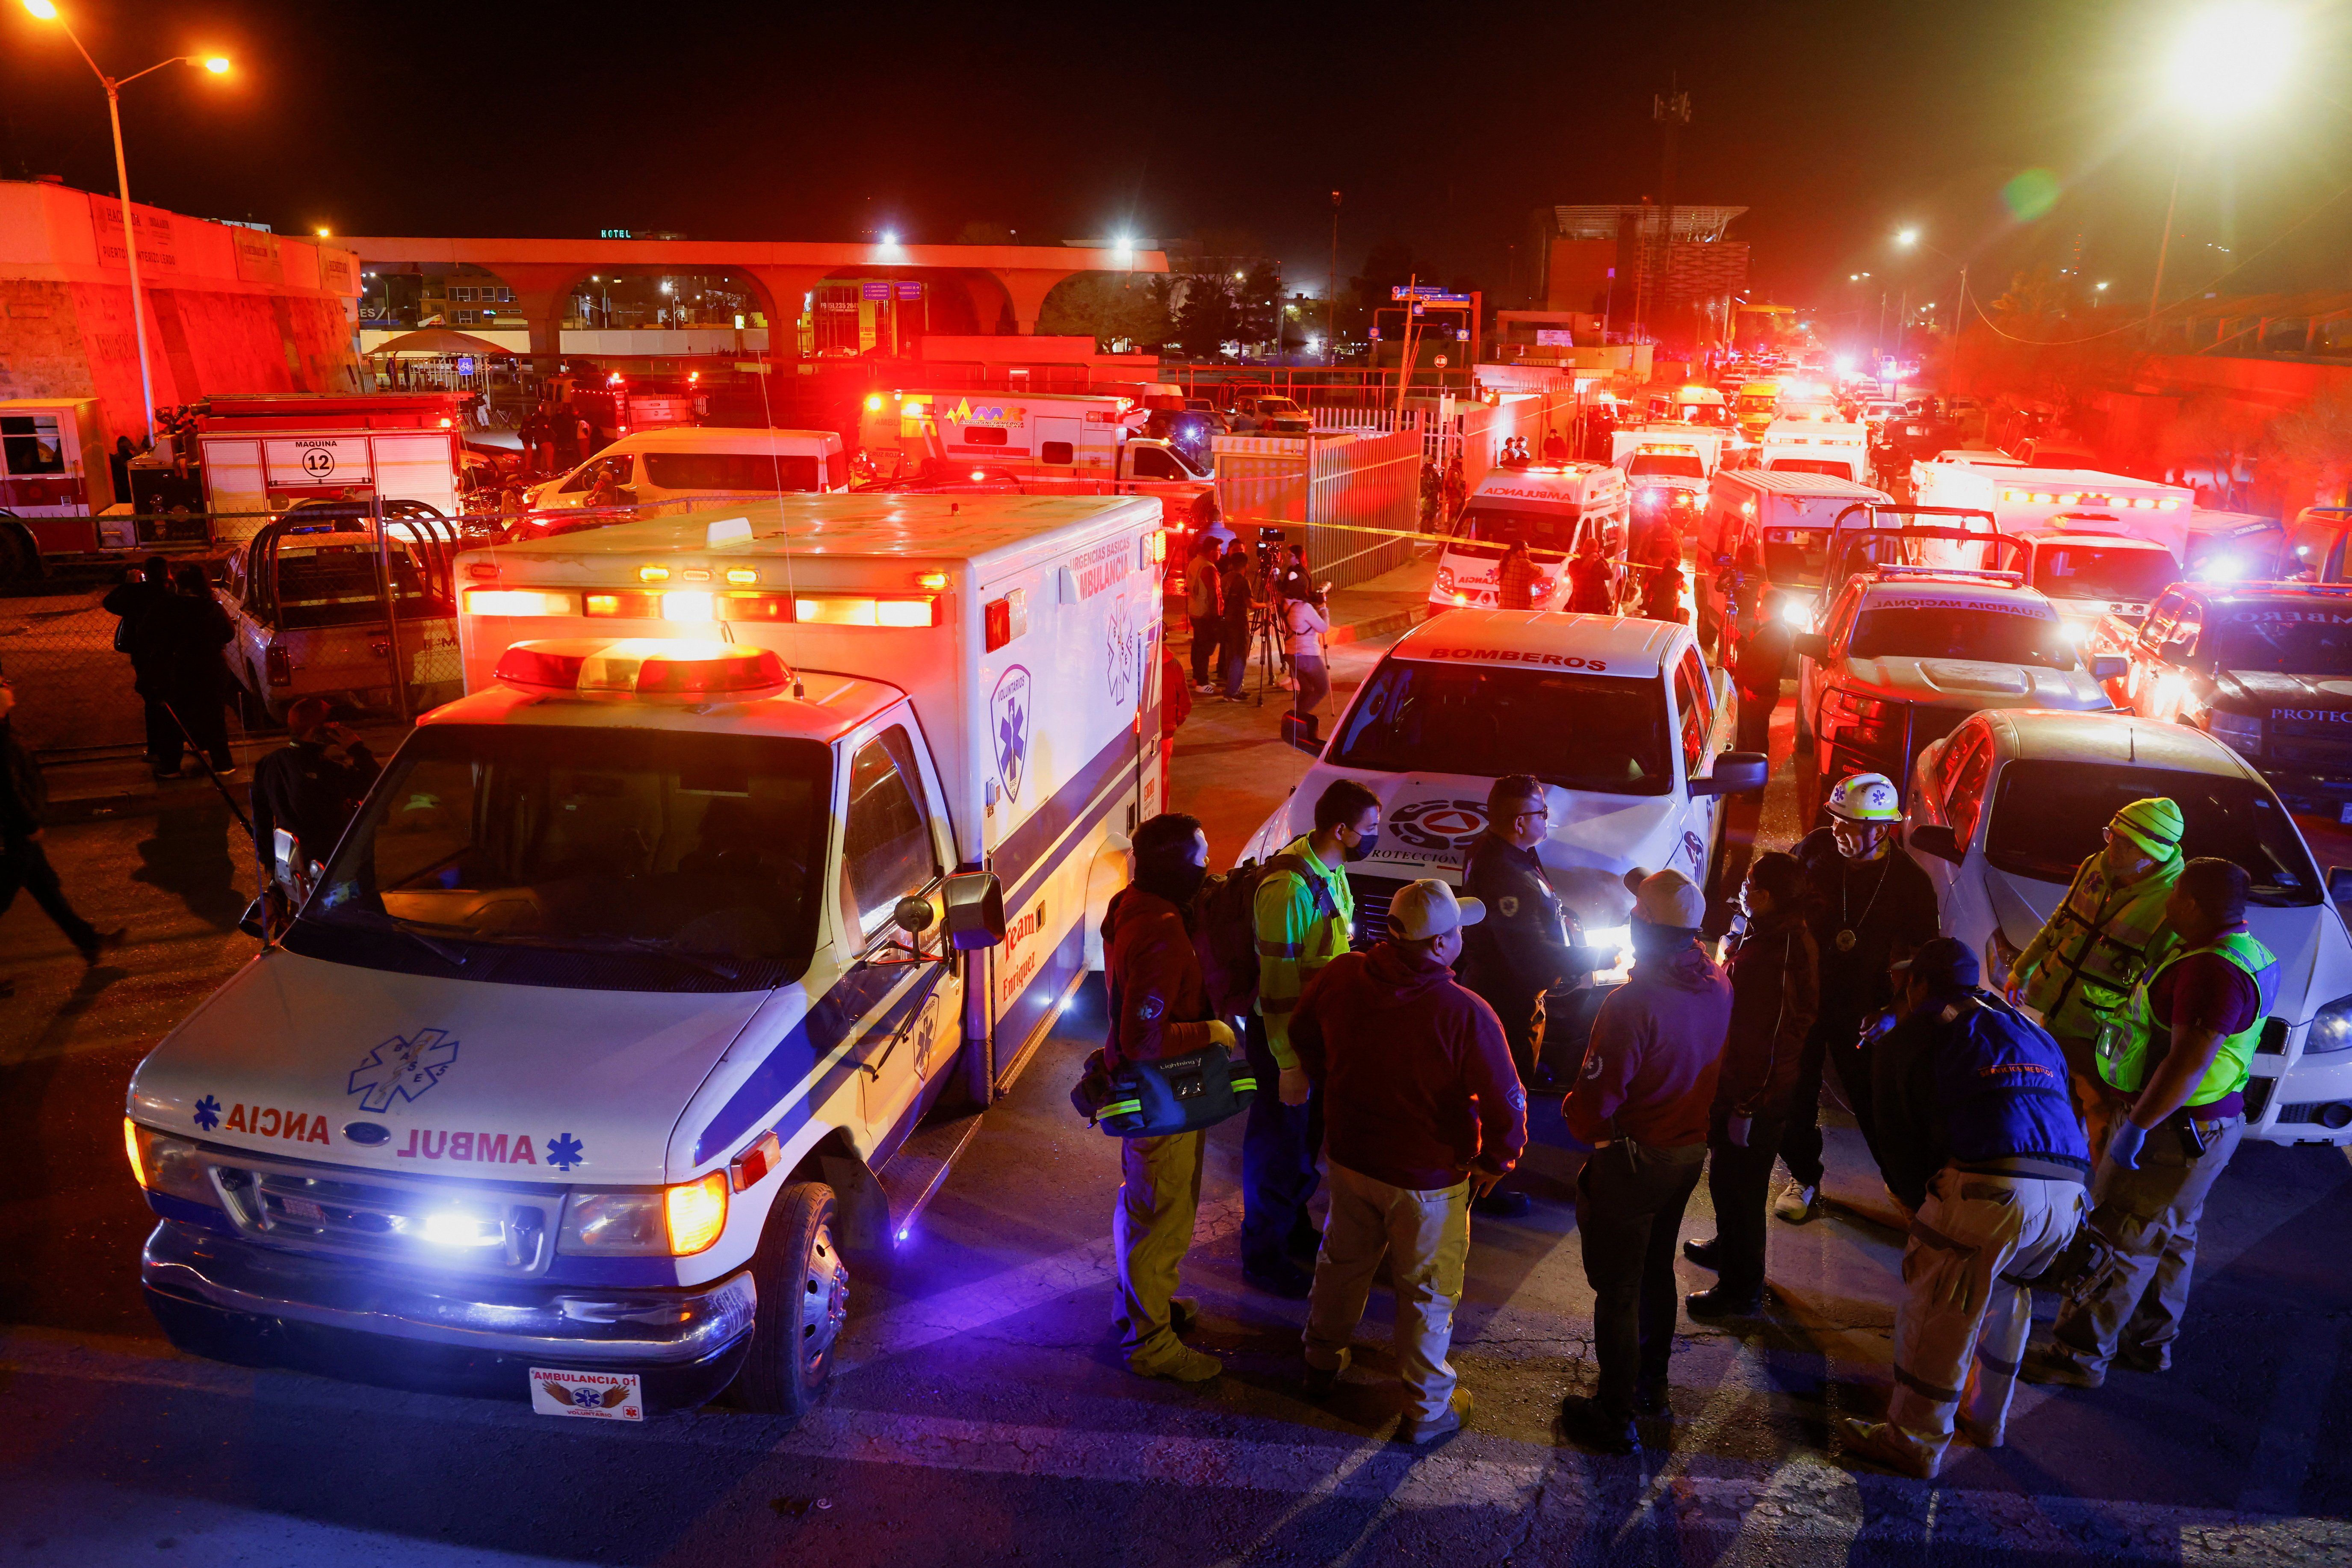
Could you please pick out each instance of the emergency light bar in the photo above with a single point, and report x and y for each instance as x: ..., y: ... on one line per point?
x: 682, y: 670
x: 703, y: 606
x: 2092, y: 497
x: 2014, y: 579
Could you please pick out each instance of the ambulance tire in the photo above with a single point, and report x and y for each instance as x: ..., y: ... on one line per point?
x: 804, y: 1286
x: 20, y: 558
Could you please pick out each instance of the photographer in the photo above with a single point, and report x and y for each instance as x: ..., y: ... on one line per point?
x: 1237, y: 591
x: 1304, y: 622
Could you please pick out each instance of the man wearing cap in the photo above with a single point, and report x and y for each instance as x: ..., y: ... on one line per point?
x: 2176, y: 1063
x: 1641, y: 1101
x: 1423, y: 1109
x: 1868, y: 904
x: 1979, y: 1141
x: 2109, y: 931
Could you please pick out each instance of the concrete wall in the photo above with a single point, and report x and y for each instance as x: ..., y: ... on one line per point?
x: 230, y: 310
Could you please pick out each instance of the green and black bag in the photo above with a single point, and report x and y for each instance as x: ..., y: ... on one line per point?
x: 1154, y: 1099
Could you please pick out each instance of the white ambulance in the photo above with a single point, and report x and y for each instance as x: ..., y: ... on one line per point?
x: 1626, y: 725
x: 2027, y: 499
x: 1551, y: 508
x: 1835, y: 448
x: 688, y: 464
x: 612, y: 1016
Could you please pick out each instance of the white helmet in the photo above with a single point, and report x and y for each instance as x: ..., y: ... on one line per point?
x: 1866, y: 797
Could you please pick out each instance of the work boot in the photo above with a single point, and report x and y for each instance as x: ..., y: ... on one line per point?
x: 1650, y: 1397
x: 1700, y: 1252
x: 1448, y: 1420
x: 1878, y: 1442
x: 1503, y: 1206
x: 1976, y: 1432
x: 1585, y: 1422
x: 1322, y: 1380
x: 1183, y: 1314
x: 2146, y: 1358
x: 1797, y: 1203
x: 1722, y: 1302
x: 102, y: 945
x: 1178, y: 1363
x: 2049, y: 1365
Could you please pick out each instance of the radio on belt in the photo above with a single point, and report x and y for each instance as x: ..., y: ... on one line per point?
x: 596, y: 1050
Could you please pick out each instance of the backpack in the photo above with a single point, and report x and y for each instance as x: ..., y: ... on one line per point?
x: 1225, y: 928
x: 1154, y: 1099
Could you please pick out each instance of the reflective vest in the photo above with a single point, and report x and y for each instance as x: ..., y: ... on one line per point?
x: 2080, y: 971
x: 2138, y: 1036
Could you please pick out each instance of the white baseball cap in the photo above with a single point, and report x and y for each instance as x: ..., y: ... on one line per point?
x: 1428, y: 908
x: 1666, y: 898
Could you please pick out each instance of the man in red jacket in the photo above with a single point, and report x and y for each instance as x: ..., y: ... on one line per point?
x: 1422, y: 1110
x: 1641, y: 1102
x: 1158, y: 1007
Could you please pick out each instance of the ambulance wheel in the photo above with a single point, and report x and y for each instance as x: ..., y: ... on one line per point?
x: 252, y: 711
x: 804, y: 1287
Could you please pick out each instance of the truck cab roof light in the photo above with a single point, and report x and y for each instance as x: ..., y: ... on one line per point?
x: 686, y: 670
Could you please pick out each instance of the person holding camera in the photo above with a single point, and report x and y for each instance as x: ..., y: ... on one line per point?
x: 1304, y: 622
x: 1158, y: 1007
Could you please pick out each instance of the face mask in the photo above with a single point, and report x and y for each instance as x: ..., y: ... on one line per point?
x: 1363, y: 848
x: 1186, y: 883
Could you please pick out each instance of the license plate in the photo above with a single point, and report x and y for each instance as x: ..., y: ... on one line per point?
x: 599, y: 1395
x: 301, y: 1208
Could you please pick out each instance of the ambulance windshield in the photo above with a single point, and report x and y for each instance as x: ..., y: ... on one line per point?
x: 1594, y: 732
x: 1488, y: 523
x: 1992, y: 631
x: 604, y: 859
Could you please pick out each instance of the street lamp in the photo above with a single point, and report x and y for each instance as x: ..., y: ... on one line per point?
x: 2229, y: 60
x: 216, y: 65
x: 1907, y: 239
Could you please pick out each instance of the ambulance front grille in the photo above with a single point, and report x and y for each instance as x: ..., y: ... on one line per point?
x: 1372, y: 895
x: 425, y: 1225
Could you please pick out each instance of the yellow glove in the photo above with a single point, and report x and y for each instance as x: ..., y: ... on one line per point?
x: 1221, y: 1033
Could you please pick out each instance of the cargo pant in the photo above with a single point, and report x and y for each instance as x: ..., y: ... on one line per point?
x: 1962, y: 1328
x: 1151, y: 1231
x: 2149, y: 1217
x: 1426, y: 1237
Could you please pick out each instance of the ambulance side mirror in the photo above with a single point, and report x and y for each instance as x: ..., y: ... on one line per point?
x: 1935, y: 838
x: 2107, y: 667
x: 1734, y: 772
x: 2339, y: 884
x: 973, y: 902
x: 1814, y: 646
x: 912, y: 915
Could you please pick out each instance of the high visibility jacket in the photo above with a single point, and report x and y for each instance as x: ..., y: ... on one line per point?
x: 1300, y: 928
x: 2079, y: 970
x: 2138, y: 1036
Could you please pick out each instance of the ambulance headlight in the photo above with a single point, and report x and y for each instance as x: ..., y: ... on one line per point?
x: 170, y: 1166
x: 461, y: 1228
x: 1445, y: 579
x: 655, y: 1222
x: 2331, y: 1028
x: 2074, y: 631
x: 1798, y: 614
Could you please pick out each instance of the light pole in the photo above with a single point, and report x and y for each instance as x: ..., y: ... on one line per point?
x: 1332, y: 293
x: 1907, y: 238
x: 2231, y: 60
x: 48, y: 12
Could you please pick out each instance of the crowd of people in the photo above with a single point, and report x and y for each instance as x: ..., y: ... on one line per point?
x: 1396, y: 1079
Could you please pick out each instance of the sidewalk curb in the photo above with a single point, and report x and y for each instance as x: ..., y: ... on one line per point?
x: 1377, y: 625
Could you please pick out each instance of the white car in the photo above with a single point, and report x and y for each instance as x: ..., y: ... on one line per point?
x: 2004, y: 809
x: 1621, y: 719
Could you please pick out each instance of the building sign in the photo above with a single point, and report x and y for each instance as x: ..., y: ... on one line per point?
x: 1555, y: 337
x: 911, y: 290
x: 873, y: 291
x: 317, y: 461
x: 1428, y: 295
x: 258, y: 260
x: 337, y: 272
x: 158, y: 245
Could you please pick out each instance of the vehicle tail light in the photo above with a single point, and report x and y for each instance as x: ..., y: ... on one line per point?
x: 276, y: 666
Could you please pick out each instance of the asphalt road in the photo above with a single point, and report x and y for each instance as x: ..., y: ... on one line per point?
x: 982, y: 1414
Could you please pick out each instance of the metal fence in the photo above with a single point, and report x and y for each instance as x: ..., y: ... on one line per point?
x: 1351, y: 498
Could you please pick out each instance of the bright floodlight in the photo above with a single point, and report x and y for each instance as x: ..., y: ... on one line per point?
x: 1123, y: 244
x: 43, y: 9
x: 1907, y: 236
x: 2230, y: 59
x: 889, y: 237
x: 216, y: 64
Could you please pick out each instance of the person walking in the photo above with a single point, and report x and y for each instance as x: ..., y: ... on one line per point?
x: 1237, y: 595
x: 1204, y: 607
x: 1868, y: 904
x: 1592, y: 580
x: 1304, y: 622
x: 1303, y: 910
x: 1158, y: 1007
x: 1775, y: 996
x: 311, y: 786
x: 194, y: 628
x: 2177, y: 1063
x: 1423, y: 1111
x: 24, y: 862
x: 139, y: 604
x: 2079, y: 970
x: 1982, y: 1150
x: 1642, y: 1102
x: 1515, y: 579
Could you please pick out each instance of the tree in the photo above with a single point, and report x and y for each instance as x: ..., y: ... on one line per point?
x: 1210, y: 316
x: 1258, y: 300
x: 1110, y: 307
x: 2309, y: 451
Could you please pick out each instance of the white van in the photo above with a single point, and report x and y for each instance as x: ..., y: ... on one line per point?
x: 1550, y: 507
x: 2025, y: 500
x: 613, y: 1016
x: 702, y: 463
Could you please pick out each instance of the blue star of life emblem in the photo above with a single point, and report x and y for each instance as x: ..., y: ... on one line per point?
x: 207, y: 1113
x: 402, y: 1068
x: 564, y: 1152
x: 1008, y: 708
x: 588, y: 1397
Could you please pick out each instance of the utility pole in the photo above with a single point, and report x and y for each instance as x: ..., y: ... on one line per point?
x: 1672, y: 110
x: 1331, y: 296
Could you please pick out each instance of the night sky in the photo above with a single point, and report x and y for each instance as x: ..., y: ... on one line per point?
x: 1833, y: 121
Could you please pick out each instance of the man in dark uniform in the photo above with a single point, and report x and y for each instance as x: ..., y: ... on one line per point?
x: 312, y: 787
x: 1868, y: 904
x: 1528, y: 946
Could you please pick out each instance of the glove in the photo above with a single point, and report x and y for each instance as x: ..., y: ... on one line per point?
x: 1221, y: 1034
x: 2124, y: 1144
x: 1294, y: 1087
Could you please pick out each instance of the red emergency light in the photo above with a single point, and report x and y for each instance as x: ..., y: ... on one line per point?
x: 660, y: 668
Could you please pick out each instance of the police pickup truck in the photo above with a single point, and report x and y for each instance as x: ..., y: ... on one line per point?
x: 2264, y: 667
x: 1621, y: 720
x: 612, y: 1019
x: 1907, y: 651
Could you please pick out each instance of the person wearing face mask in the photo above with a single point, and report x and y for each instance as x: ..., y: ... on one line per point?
x: 2110, y: 930
x: 1868, y: 904
x: 1158, y: 1007
x: 1641, y: 1102
x: 1304, y: 910
x: 1424, y: 1111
